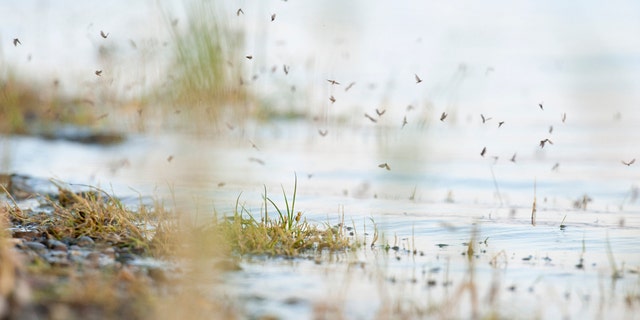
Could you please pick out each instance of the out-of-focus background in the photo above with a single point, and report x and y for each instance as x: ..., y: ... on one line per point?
x: 198, y: 102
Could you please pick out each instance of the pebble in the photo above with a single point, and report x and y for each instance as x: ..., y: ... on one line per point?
x: 56, y: 245
x: 125, y: 257
x: 109, y: 252
x: 93, y: 258
x: 36, y: 246
x: 84, y: 241
x: 57, y: 258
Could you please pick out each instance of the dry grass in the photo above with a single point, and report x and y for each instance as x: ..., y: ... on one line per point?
x: 24, y: 106
x: 95, y: 214
x: 286, y: 233
x: 206, y: 70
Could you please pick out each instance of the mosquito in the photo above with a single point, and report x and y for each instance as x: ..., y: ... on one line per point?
x: 629, y: 163
x: 370, y: 118
x: 542, y: 142
x: 254, y: 145
x: 443, y: 116
x: 384, y: 166
x: 484, y: 150
x: 104, y: 35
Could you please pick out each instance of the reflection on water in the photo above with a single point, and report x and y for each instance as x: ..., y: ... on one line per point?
x: 544, y: 71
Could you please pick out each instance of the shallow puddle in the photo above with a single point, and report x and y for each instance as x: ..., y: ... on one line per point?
x: 436, y: 198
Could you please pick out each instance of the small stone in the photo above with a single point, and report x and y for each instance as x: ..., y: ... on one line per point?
x: 125, y: 257
x: 109, y: 252
x: 84, y: 241
x: 56, y: 245
x: 93, y: 258
x: 36, y: 246
x: 57, y: 258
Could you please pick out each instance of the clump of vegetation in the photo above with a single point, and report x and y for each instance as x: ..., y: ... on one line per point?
x: 24, y: 105
x: 282, y: 231
x: 94, y: 214
x: 285, y: 234
x: 205, y: 76
x: 36, y: 287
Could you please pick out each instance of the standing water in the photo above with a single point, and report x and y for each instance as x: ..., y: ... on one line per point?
x: 443, y: 126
